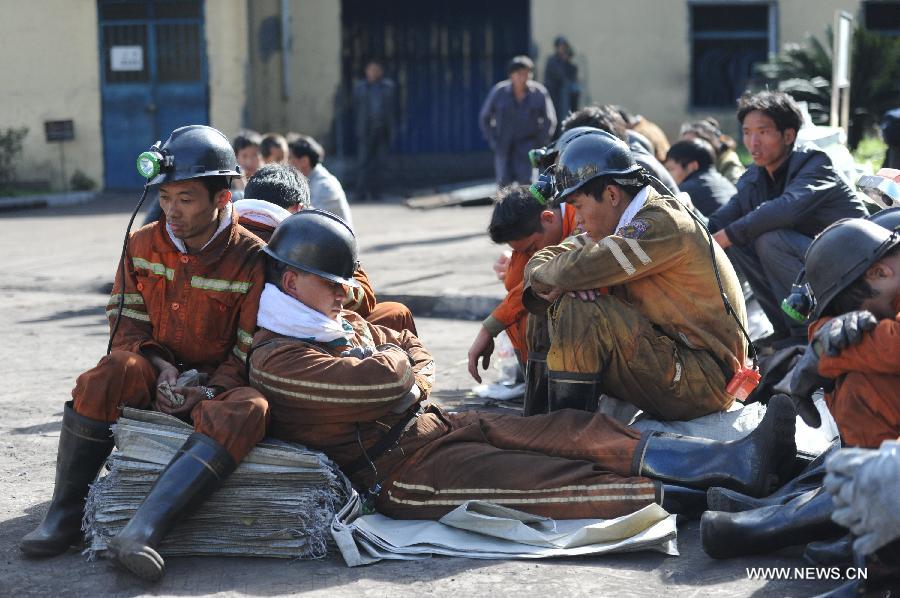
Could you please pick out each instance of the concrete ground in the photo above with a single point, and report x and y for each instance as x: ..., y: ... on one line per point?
x: 57, y: 268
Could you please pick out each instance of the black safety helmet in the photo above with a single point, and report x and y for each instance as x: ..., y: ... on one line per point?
x: 317, y: 242
x: 544, y: 157
x: 841, y: 254
x: 889, y: 219
x: 191, y: 152
x: 589, y: 156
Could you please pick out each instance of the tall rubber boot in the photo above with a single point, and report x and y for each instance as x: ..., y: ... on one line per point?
x: 805, y: 519
x: 722, y: 499
x: 536, y: 389
x: 84, y: 445
x: 567, y: 390
x: 750, y: 465
x: 687, y: 502
x: 194, y: 473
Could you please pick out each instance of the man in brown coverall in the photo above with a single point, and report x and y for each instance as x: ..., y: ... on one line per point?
x: 662, y: 339
x: 189, y: 287
x: 354, y: 390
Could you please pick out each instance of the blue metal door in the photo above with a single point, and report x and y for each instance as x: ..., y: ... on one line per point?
x: 444, y: 57
x: 153, y: 78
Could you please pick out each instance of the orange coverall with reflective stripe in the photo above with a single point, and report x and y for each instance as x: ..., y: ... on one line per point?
x: 195, y: 311
x: 866, y: 398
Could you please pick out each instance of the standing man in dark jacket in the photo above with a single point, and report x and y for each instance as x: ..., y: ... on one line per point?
x: 516, y: 116
x: 787, y: 197
x: 691, y: 162
x: 561, y: 78
x: 374, y: 107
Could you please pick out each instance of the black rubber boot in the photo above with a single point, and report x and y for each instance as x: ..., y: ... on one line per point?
x: 84, y: 445
x: 750, y: 465
x: 722, y: 499
x: 573, y: 391
x: 196, y: 471
x: 535, y: 387
x: 830, y: 553
x: 805, y: 519
x: 686, y: 502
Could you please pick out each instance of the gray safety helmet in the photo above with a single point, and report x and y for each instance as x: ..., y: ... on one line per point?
x: 191, y: 152
x: 317, y: 242
x: 593, y: 155
x: 841, y: 254
x: 889, y: 219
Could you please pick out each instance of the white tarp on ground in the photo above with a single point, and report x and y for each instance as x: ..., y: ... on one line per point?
x: 278, y: 503
x: 482, y: 530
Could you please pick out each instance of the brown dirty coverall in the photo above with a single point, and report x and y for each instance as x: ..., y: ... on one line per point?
x: 196, y: 311
x: 866, y: 398
x: 662, y: 339
x: 360, y: 299
x: 566, y: 465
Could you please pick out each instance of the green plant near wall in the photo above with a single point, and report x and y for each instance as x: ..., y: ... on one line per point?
x: 804, y: 71
x: 10, y: 148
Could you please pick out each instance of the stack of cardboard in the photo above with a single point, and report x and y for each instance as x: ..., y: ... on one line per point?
x: 280, y: 501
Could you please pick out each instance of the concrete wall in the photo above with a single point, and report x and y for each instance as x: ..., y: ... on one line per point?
x: 306, y: 105
x: 51, y: 72
x: 227, y: 51
x: 637, y: 53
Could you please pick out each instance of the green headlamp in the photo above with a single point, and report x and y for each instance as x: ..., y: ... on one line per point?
x: 149, y: 163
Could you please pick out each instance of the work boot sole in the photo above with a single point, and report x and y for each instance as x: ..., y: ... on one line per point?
x: 144, y: 562
x: 43, y: 550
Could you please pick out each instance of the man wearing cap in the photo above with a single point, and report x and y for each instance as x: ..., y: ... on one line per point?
x: 853, y: 272
x: 662, y: 339
x: 355, y: 391
x: 185, y: 297
x: 516, y: 116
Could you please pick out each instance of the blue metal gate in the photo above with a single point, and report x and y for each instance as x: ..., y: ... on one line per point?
x: 444, y: 57
x: 153, y: 78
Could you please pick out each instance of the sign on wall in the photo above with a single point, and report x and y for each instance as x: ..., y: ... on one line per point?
x: 126, y: 58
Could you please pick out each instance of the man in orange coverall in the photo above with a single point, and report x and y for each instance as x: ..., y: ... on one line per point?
x: 278, y: 185
x: 853, y: 270
x: 185, y: 297
x: 524, y: 221
x: 354, y: 390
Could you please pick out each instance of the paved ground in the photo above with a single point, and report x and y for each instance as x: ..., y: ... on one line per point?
x: 56, y: 269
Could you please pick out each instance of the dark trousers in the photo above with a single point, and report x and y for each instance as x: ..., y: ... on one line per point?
x: 771, y: 263
x: 373, y: 148
x: 511, y: 165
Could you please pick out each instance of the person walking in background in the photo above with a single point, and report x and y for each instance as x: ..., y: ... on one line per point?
x: 516, y: 116
x: 561, y: 78
x: 374, y: 107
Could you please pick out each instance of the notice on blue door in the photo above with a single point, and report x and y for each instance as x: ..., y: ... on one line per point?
x: 126, y: 58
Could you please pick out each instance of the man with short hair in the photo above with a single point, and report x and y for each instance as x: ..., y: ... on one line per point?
x: 247, y: 149
x: 787, y: 197
x: 185, y: 298
x: 691, y: 164
x: 527, y: 223
x: 517, y: 115
x: 273, y: 148
x: 355, y: 391
x: 325, y: 191
x: 661, y: 339
x: 375, y: 115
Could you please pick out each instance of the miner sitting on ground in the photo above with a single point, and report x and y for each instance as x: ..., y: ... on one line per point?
x: 274, y: 193
x: 189, y: 289
x: 526, y: 223
x: 853, y: 271
x: 662, y: 339
x: 355, y: 391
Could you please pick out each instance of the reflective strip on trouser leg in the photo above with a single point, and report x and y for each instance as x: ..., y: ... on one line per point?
x: 635, y: 362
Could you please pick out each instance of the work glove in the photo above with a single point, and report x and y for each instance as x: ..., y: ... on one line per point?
x: 359, y: 352
x: 843, y: 331
x: 804, y: 382
x: 864, y: 485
